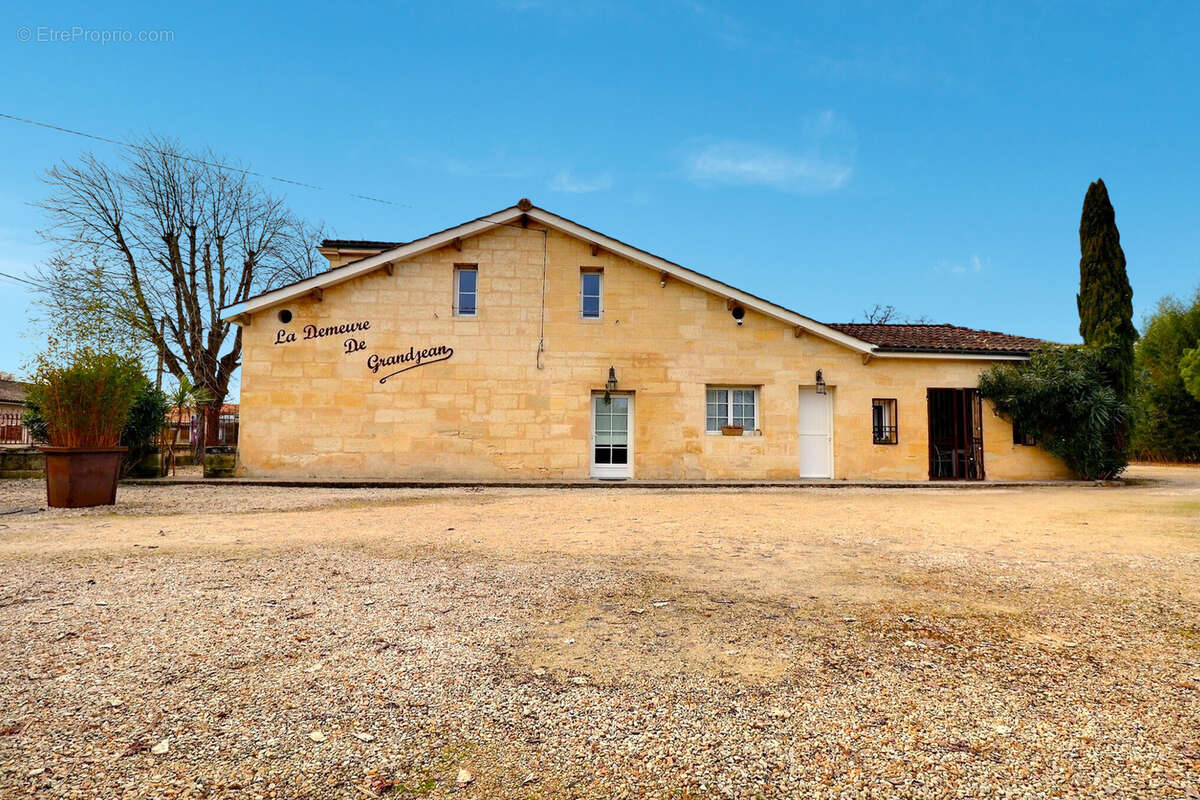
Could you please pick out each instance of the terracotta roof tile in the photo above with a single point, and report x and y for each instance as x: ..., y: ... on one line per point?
x: 938, y: 338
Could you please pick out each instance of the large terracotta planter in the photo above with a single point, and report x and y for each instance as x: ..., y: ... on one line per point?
x: 77, y: 477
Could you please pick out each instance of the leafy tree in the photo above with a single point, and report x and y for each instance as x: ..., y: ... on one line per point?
x: 158, y: 243
x: 1105, y: 297
x: 1189, y: 370
x: 1062, y: 395
x: 76, y: 315
x: 1167, y: 423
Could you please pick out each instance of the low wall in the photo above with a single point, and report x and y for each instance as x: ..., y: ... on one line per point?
x: 22, y: 462
x: 220, y: 461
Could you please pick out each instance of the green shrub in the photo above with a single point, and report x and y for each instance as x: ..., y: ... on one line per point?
x: 1062, y: 396
x: 84, y: 397
x: 142, y: 425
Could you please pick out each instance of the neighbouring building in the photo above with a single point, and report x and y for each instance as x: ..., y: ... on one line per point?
x: 522, y: 345
x: 12, y: 408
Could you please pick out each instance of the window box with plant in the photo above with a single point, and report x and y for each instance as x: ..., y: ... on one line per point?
x: 84, y: 400
x: 731, y: 410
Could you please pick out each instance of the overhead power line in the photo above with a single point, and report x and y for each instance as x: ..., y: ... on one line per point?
x: 131, y: 145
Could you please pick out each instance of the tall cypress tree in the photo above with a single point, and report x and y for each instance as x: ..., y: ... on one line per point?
x: 1105, y: 297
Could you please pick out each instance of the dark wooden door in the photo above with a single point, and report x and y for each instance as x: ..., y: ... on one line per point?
x: 955, y: 434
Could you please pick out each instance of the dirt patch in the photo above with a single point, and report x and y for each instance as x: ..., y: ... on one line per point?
x: 816, y: 643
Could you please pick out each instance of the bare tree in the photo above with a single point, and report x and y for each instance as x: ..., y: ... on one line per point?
x: 880, y: 314
x: 161, y: 241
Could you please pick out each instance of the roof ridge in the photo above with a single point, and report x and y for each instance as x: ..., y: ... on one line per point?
x: 905, y: 324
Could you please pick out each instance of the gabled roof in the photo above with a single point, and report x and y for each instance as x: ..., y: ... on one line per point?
x: 13, y: 391
x: 527, y: 212
x: 907, y: 338
x: 532, y: 213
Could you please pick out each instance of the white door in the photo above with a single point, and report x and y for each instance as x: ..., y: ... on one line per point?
x: 816, y: 434
x: 612, y: 426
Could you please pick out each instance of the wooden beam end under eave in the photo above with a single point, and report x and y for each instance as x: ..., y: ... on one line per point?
x: 318, y: 294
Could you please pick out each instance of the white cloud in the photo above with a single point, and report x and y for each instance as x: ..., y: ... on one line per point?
x: 971, y: 266
x: 819, y: 159
x: 563, y: 181
x: 724, y: 27
x: 563, y: 8
x: 745, y: 164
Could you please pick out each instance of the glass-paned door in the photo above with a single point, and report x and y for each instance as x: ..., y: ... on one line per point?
x: 612, y: 423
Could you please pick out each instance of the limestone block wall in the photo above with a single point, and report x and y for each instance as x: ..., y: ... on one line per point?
x: 513, y: 398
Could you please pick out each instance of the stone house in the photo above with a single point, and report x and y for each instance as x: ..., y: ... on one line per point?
x: 522, y: 345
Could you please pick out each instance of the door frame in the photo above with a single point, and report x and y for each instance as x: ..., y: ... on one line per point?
x: 829, y: 421
x: 592, y: 465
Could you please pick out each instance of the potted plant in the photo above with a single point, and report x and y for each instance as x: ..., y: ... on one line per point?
x: 732, y: 430
x: 84, y: 401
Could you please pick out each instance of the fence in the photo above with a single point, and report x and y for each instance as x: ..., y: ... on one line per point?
x: 182, y: 434
x: 12, y: 430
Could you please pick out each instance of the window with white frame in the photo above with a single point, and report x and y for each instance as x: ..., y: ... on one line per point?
x: 466, y: 290
x: 591, y: 288
x: 730, y: 405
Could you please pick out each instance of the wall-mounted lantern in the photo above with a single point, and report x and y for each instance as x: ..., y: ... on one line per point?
x: 820, y: 383
x: 611, y: 385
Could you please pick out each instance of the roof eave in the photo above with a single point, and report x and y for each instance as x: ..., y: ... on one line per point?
x: 928, y: 352
x: 363, y: 266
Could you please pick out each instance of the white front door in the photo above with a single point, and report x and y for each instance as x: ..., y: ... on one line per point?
x: 816, y: 434
x: 612, y: 426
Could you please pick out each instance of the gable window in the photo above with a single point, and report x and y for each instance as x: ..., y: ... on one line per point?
x: 884, y: 428
x: 1022, y: 436
x: 591, y: 286
x: 730, y: 405
x: 466, y: 290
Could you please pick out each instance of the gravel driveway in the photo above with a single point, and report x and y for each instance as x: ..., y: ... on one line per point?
x: 256, y: 642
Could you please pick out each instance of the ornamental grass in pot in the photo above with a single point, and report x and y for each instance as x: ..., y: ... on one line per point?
x: 84, y: 400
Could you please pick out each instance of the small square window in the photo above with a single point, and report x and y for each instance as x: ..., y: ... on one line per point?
x: 466, y: 291
x: 1023, y: 437
x: 884, y: 425
x: 591, y: 287
x: 730, y: 405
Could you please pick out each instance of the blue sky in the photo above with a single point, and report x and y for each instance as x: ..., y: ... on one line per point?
x: 827, y: 156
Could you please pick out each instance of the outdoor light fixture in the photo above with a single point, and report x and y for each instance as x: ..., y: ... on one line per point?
x: 820, y: 383
x: 611, y: 385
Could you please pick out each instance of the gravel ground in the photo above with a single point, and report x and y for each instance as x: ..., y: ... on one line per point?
x: 259, y: 642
